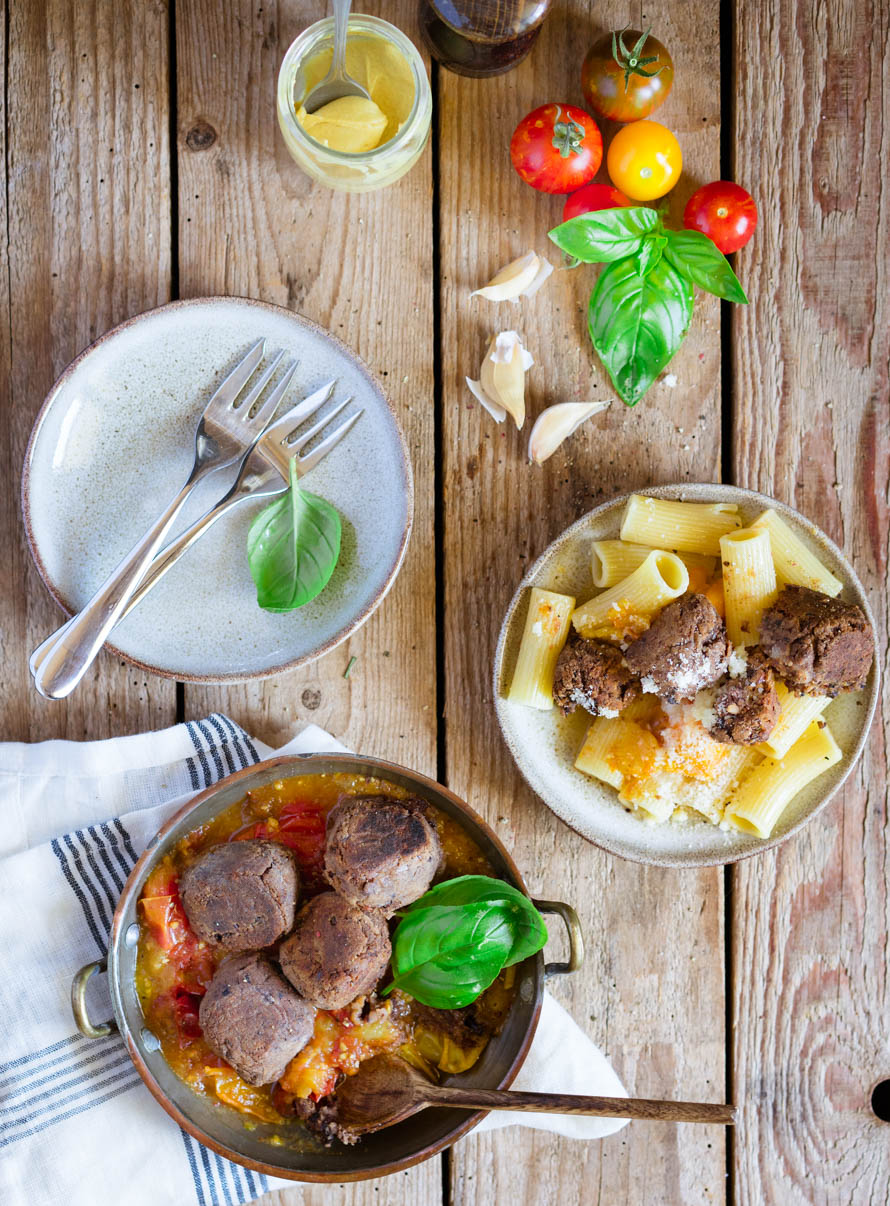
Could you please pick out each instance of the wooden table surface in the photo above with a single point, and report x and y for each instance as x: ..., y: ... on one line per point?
x: 143, y: 163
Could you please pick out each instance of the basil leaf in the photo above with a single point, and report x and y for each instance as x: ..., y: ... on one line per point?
x: 649, y: 254
x: 637, y: 323
x: 605, y: 235
x: 446, y: 956
x: 699, y: 260
x: 529, y: 930
x: 292, y: 548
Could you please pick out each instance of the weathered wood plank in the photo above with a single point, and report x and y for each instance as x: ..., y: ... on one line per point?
x: 812, y: 426
x: 89, y: 245
x: 251, y: 223
x: 652, y: 991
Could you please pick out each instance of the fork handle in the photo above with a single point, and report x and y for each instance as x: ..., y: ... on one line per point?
x: 164, y: 561
x: 76, y: 644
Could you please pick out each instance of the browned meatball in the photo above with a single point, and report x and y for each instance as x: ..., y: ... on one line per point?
x: 380, y: 853
x: 241, y: 896
x: 337, y: 951
x: 818, y: 645
x: 593, y: 675
x: 747, y: 708
x: 253, y: 1019
x: 684, y: 650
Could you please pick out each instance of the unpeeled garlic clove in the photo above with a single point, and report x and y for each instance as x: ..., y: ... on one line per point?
x: 556, y: 424
x: 521, y: 278
x: 496, y: 411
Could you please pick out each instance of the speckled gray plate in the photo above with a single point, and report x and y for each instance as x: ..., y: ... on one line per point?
x: 545, y: 744
x: 113, y: 443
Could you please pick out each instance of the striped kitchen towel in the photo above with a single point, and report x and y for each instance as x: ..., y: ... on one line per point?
x: 76, y: 1123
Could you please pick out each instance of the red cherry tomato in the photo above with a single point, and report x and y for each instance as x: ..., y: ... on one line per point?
x: 593, y: 197
x: 724, y: 212
x: 556, y: 148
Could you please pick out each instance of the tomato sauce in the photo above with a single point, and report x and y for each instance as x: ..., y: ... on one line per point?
x: 174, y: 967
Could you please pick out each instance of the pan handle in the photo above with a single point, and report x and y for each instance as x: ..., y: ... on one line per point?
x: 573, y: 929
x: 79, y: 1002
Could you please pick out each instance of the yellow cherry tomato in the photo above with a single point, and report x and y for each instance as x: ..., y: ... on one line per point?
x: 644, y: 160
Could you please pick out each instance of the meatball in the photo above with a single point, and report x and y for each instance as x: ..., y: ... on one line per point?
x: 747, y: 708
x: 816, y: 644
x: 593, y: 675
x: 380, y: 853
x: 253, y: 1019
x: 337, y: 951
x: 684, y: 650
x: 241, y: 896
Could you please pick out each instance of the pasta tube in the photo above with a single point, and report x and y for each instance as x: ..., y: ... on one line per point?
x: 770, y: 787
x: 655, y: 797
x: 626, y: 608
x: 617, y: 749
x: 794, y: 562
x: 546, y: 629
x: 686, y: 527
x: 616, y: 559
x: 798, y: 713
x: 749, y: 582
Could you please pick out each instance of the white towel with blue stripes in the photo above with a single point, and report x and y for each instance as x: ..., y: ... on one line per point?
x: 76, y: 1123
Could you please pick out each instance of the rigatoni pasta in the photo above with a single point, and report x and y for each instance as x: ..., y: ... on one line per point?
x: 769, y: 788
x: 546, y: 629
x: 613, y: 560
x: 798, y: 713
x: 626, y: 608
x: 686, y: 527
x: 795, y: 564
x: 749, y: 582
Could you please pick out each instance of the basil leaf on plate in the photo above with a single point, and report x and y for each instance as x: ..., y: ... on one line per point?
x: 529, y: 930
x: 637, y: 322
x: 605, y: 235
x: 446, y: 956
x: 700, y: 261
x: 292, y: 548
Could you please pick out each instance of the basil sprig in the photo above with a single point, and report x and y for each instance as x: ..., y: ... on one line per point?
x: 641, y: 306
x: 292, y: 548
x: 453, y: 942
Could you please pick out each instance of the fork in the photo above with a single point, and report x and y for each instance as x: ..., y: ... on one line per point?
x: 264, y: 474
x: 224, y: 433
x: 265, y: 471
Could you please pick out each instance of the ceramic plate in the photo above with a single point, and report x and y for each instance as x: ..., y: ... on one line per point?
x: 545, y: 744
x: 113, y: 443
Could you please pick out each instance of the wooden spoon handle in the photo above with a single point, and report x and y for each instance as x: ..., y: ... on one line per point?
x: 567, y: 1103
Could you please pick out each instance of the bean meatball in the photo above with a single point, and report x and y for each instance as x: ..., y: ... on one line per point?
x: 816, y: 644
x: 253, y: 1019
x: 593, y: 675
x: 380, y: 853
x: 241, y: 896
x: 337, y: 951
x: 747, y: 709
x: 684, y: 650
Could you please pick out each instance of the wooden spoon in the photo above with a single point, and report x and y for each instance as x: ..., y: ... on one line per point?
x: 386, y: 1090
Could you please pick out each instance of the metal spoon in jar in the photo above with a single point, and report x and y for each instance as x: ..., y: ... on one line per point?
x: 386, y: 1090
x: 336, y: 83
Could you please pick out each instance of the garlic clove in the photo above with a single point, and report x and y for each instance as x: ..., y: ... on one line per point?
x: 511, y: 282
x: 501, y: 384
x: 496, y: 411
x: 556, y: 424
x: 544, y: 270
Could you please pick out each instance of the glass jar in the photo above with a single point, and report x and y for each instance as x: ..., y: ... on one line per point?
x: 352, y: 171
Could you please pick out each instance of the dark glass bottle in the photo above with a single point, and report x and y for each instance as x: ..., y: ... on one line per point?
x: 481, y: 37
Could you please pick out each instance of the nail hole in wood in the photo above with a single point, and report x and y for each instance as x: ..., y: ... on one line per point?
x: 880, y: 1100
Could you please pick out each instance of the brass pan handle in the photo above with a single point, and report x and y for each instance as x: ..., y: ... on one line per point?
x: 79, y: 1002
x: 573, y: 929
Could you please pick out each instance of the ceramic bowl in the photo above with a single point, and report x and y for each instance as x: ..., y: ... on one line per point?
x: 292, y: 1152
x: 113, y: 443
x: 545, y: 744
